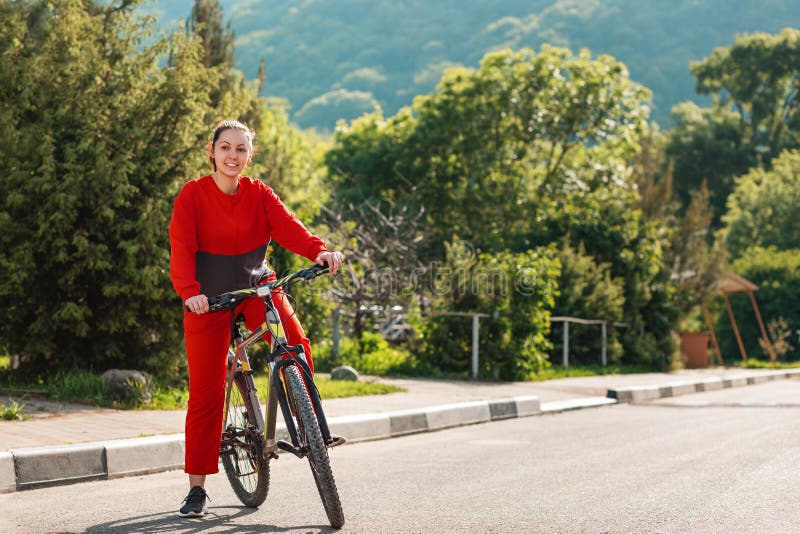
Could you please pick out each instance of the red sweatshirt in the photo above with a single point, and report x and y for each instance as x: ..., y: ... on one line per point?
x: 217, y: 241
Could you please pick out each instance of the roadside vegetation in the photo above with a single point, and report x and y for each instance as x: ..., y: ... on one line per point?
x: 12, y: 410
x: 532, y: 186
x: 85, y: 387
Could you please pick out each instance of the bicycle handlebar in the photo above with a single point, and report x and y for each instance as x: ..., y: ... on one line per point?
x: 231, y: 299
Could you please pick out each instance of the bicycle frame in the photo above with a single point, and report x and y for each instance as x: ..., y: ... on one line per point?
x: 280, y: 355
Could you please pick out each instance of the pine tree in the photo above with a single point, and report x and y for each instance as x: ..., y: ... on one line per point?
x: 262, y: 75
x: 97, y: 139
x: 217, y: 37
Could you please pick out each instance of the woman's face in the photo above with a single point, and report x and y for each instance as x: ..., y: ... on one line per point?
x: 231, y: 152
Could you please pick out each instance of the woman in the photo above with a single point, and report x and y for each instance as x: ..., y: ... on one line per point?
x: 220, y: 229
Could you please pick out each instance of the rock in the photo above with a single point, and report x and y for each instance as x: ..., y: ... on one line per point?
x: 344, y: 372
x: 128, y: 385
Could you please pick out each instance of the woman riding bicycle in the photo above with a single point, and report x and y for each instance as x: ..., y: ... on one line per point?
x: 221, y: 227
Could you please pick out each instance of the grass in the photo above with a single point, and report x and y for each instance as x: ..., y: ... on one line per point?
x: 88, y: 388
x: 12, y: 411
x: 556, y: 372
x: 336, y: 389
x: 167, y: 398
x: 79, y: 386
x: 176, y: 398
x: 761, y: 364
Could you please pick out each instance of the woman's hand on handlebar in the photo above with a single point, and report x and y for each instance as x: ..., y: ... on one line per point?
x: 333, y: 259
x: 197, y: 304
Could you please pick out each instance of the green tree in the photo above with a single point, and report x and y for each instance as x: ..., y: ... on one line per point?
x: 764, y: 207
x: 206, y: 21
x: 597, y: 208
x: 708, y: 147
x: 757, y: 77
x: 755, y: 115
x: 231, y: 97
x: 530, y: 148
x: 97, y: 137
x: 694, y: 258
x: 489, y: 144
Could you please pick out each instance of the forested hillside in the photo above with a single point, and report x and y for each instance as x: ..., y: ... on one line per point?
x: 340, y: 59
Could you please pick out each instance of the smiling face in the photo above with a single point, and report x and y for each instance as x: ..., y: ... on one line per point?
x: 231, y: 152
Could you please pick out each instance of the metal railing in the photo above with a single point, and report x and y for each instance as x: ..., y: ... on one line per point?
x: 475, y: 333
x: 604, y: 336
x: 476, y: 317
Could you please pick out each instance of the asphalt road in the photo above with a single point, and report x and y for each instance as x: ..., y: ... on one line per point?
x: 727, y: 464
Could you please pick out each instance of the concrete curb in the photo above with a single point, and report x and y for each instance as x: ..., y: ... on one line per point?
x: 139, y: 456
x: 8, y: 477
x: 404, y: 422
x: 35, y: 467
x: 63, y: 464
x: 576, y: 404
x: 637, y: 394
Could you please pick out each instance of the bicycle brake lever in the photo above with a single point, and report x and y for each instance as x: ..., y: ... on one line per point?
x: 215, y: 304
x: 312, y: 272
x: 222, y: 303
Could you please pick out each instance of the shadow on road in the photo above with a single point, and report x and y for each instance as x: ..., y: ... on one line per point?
x: 218, y: 519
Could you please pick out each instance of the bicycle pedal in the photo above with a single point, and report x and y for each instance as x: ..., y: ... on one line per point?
x: 288, y: 447
x: 335, y: 441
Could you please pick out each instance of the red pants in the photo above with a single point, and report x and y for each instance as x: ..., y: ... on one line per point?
x: 207, y: 340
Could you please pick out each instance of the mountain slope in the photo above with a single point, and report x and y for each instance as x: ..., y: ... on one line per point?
x: 339, y: 59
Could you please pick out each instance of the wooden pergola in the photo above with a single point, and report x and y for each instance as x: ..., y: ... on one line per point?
x: 733, y: 283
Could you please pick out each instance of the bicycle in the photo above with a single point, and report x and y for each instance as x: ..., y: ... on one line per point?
x: 249, y: 440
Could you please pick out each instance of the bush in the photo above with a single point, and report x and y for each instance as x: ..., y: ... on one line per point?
x: 13, y: 411
x: 378, y: 357
x: 777, y: 273
x: 587, y: 291
x: 516, y: 290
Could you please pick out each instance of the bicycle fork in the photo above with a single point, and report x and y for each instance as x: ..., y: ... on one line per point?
x: 281, y: 356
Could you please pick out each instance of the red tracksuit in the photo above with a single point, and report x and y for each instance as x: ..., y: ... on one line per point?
x: 217, y: 241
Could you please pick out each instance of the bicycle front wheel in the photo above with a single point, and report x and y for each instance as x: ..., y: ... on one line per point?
x: 242, y: 449
x: 311, y: 439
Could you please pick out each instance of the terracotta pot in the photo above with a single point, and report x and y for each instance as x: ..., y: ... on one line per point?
x: 694, y: 346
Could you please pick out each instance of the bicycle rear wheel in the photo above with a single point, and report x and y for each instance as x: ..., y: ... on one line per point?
x: 311, y: 440
x: 242, y: 449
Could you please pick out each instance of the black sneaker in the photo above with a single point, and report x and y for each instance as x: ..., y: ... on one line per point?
x: 195, y: 503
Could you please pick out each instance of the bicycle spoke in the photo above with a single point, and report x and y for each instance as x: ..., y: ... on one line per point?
x: 242, y: 447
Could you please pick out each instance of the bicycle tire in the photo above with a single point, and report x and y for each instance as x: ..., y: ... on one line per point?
x: 311, y: 439
x: 246, y: 466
